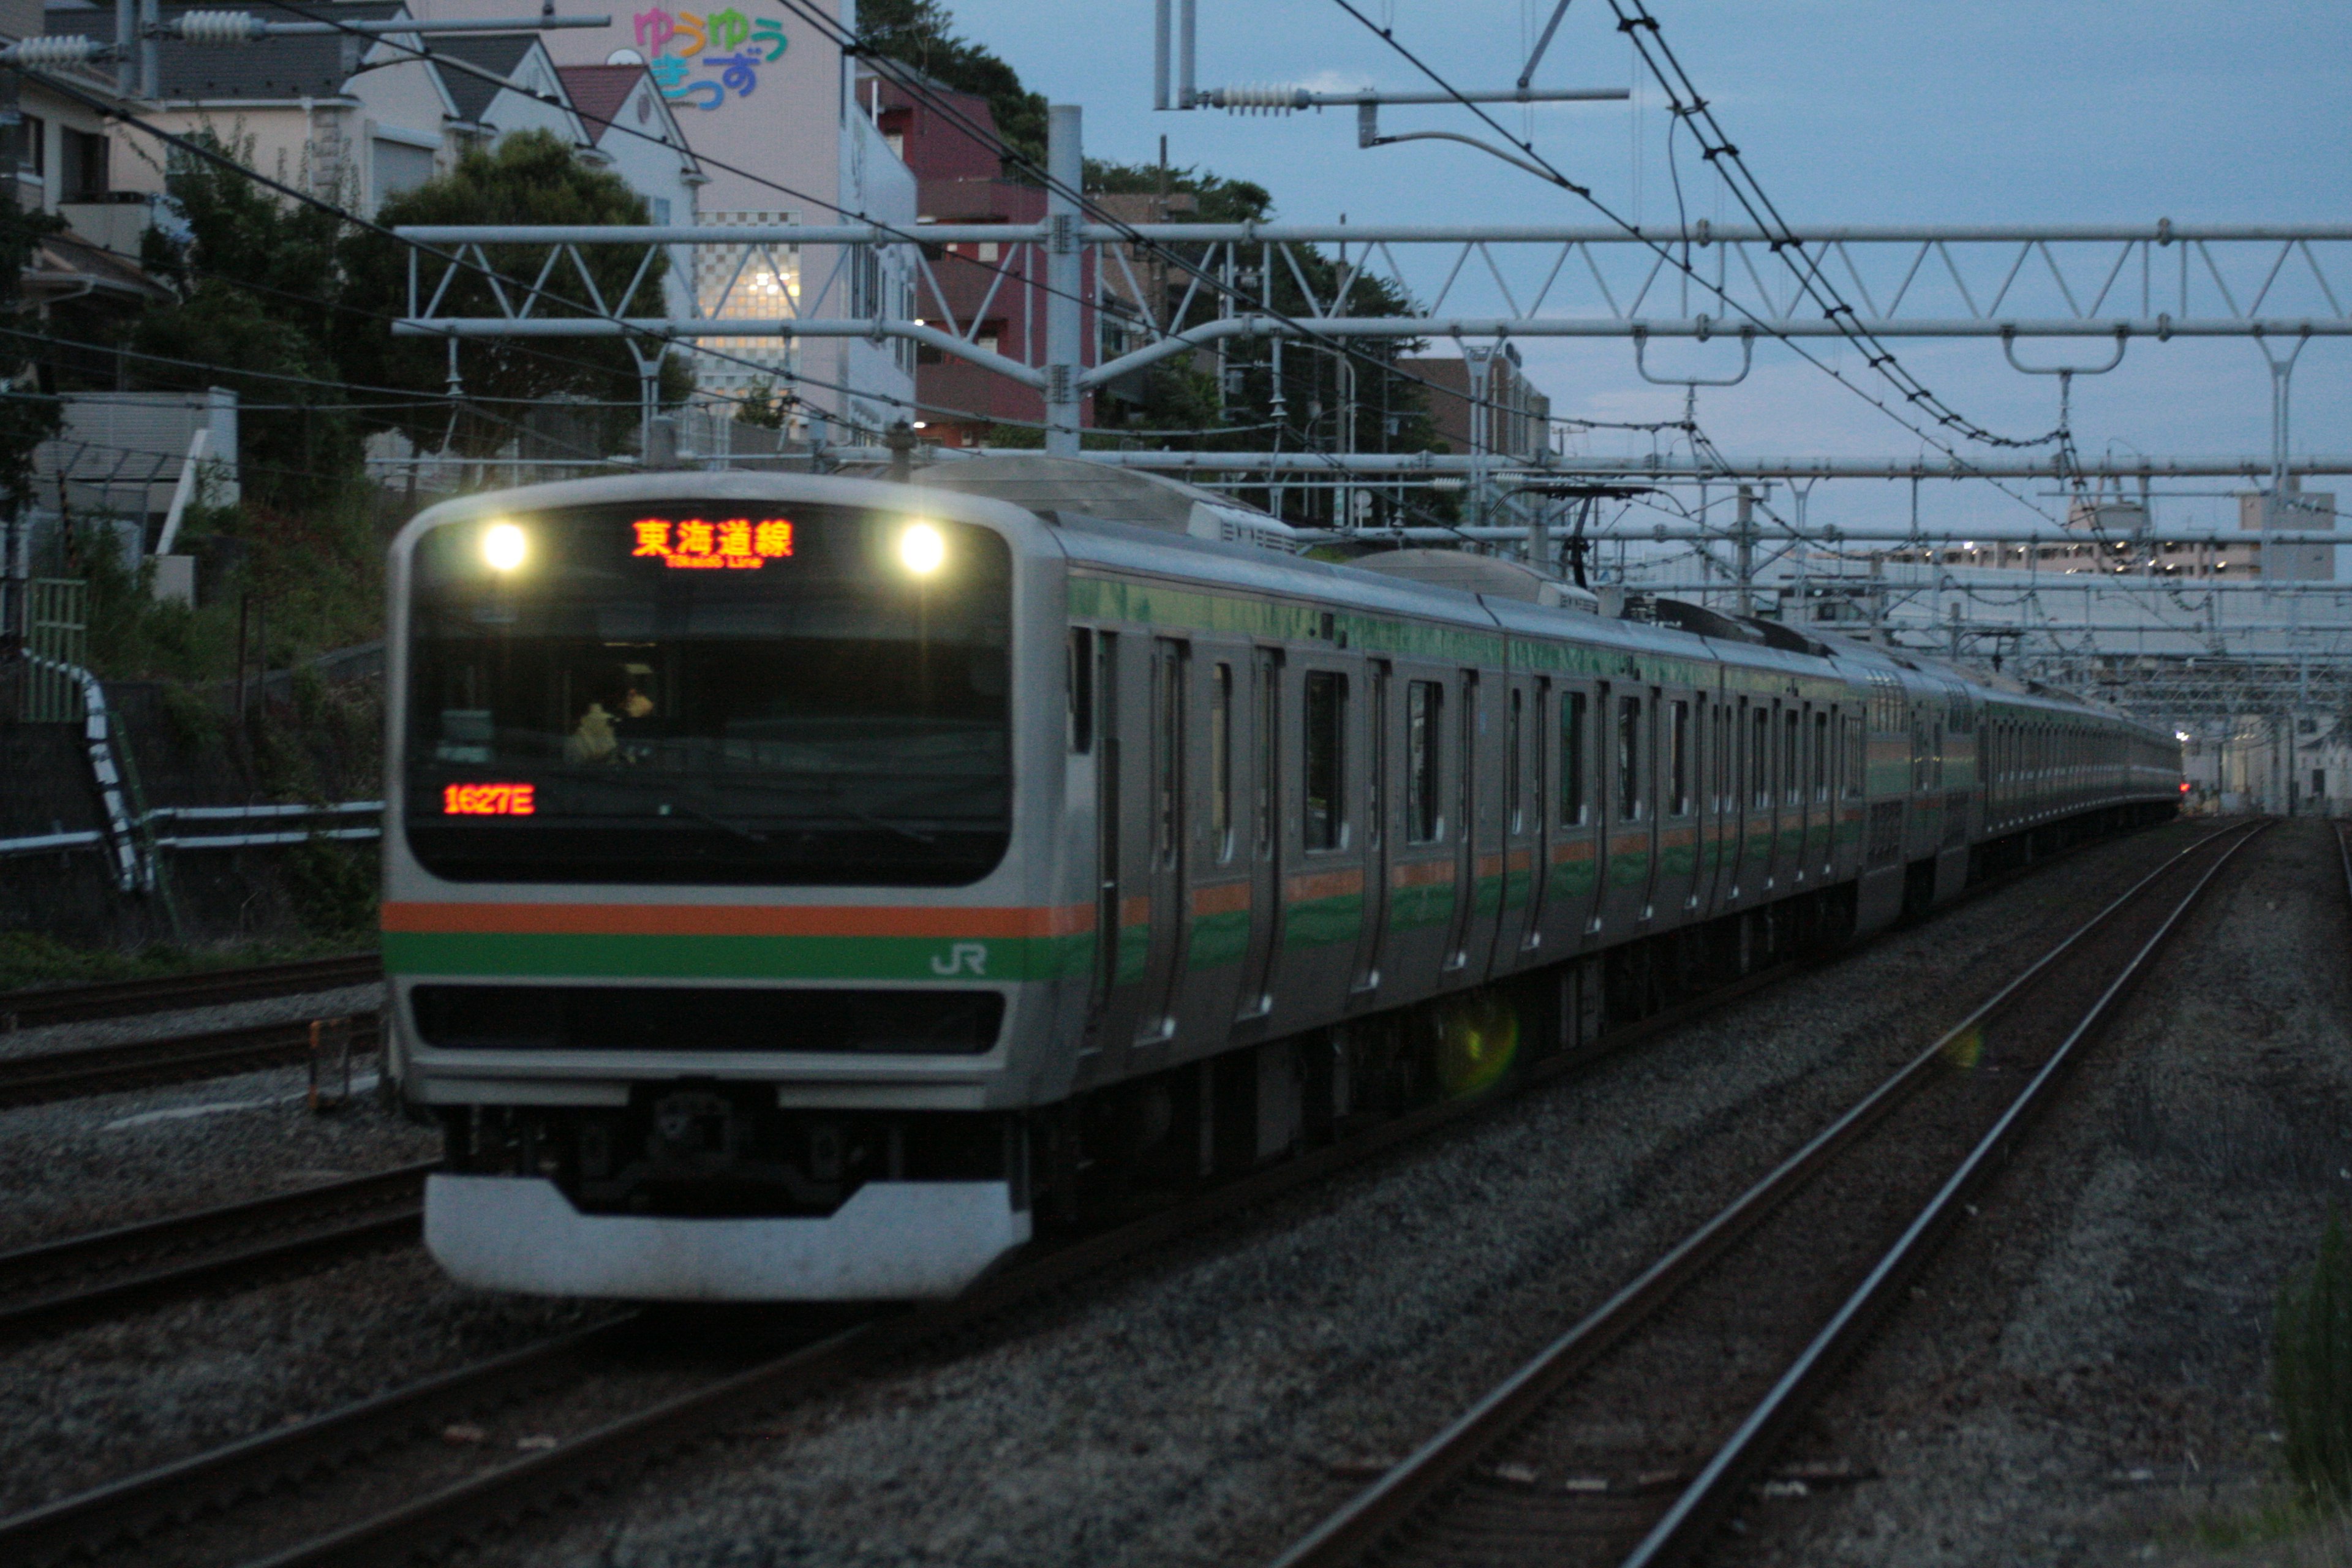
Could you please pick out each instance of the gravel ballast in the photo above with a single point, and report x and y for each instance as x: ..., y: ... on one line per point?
x: 1211, y: 1406
x: 2082, y: 1375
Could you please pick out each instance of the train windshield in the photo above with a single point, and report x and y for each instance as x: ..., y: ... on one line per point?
x: 709, y: 691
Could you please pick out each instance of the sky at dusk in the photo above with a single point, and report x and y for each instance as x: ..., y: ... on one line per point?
x: 2199, y: 111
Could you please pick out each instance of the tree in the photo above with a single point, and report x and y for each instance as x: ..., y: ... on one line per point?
x: 530, y: 177
x: 27, y: 416
x: 921, y: 33
x: 255, y: 276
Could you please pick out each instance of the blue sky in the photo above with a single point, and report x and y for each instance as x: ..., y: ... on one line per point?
x: 1847, y: 112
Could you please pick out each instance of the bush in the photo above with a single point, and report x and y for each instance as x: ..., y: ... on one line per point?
x: 2311, y: 1370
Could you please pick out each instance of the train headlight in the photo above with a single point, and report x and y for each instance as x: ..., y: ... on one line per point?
x: 504, y: 546
x: 921, y: 549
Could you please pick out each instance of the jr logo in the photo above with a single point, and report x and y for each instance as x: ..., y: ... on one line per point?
x: 963, y: 957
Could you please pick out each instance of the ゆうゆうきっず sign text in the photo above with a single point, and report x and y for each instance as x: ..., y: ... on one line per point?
x: 743, y: 543
x: 680, y: 45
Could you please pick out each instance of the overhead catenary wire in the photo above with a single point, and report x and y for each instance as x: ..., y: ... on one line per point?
x: 1751, y: 320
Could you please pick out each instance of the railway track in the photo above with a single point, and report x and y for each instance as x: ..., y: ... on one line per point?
x: 378, y: 1482
x: 123, y: 999
x: 38, y: 1079
x: 62, y: 1283
x: 1631, y: 1435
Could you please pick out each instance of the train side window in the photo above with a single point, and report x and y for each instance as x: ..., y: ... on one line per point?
x: 1759, y: 757
x: 1425, y: 731
x: 1174, y: 664
x: 1629, y: 759
x: 1513, y: 805
x: 1821, y: 756
x: 1574, y: 800
x: 1221, y: 758
x: 1081, y: 677
x: 1324, y: 775
x: 1376, y: 758
x: 1678, y: 760
x: 1792, y: 784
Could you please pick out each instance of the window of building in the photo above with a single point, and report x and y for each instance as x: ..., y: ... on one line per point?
x: 82, y: 156
x: 1325, y: 773
x: 403, y: 166
x: 28, y: 142
x: 1425, y: 712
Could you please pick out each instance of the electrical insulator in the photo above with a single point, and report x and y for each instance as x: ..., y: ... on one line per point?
x: 64, y: 49
x: 218, y: 26
x: 1260, y: 98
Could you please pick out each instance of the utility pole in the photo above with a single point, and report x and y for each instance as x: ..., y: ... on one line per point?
x: 1065, y: 326
x: 1743, y: 534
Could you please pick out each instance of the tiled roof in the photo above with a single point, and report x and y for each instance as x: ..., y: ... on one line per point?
x: 598, y: 92
x: 498, y: 52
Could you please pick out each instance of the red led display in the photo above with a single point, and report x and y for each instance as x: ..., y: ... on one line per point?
x: 741, y: 544
x: 488, y: 800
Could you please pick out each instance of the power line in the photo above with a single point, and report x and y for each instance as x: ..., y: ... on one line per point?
x: 1545, y: 170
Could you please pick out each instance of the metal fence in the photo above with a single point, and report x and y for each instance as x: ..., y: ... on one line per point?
x: 57, y: 630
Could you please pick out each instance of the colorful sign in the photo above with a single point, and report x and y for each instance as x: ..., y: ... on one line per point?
x: 713, y: 544
x: 674, y: 44
x: 489, y: 800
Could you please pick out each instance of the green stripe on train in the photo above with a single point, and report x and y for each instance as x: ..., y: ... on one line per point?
x: 1319, y: 922
x: 1218, y: 940
x: 735, y: 957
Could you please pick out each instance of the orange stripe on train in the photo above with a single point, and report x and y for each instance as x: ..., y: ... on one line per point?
x: 735, y: 920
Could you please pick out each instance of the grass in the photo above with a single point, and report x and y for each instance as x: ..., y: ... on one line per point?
x: 29, y: 958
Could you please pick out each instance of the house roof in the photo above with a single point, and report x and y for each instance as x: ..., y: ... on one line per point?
x: 599, y: 92
x: 498, y: 52
x: 64, y: 265
x: 315, y: 66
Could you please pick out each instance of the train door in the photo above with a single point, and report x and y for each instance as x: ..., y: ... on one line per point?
x: 1169, y: 813
x: 1631, y: 824
x: 1536, y: 851
x: 1718, y: 824
x: 1514, y: 895
x: 1379, y: 747
x: 1123, y: 913
x: 1573, y: 897
x: 1673, y: 888
x: 1265, y: 835
x: 1466, y: 812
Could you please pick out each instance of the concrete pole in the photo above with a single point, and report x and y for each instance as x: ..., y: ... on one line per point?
x: 1065, y: 324
x: 1744, y: 535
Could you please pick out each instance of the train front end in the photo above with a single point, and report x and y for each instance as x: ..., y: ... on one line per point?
x: 708, y: 933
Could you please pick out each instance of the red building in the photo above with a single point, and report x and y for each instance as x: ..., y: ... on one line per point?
x: 946, y: 137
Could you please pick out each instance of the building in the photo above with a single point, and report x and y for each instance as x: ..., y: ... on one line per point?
x: 2302, y: 511
x: 765, y: 100
x: 1483, y: 404
x: 993, y: 295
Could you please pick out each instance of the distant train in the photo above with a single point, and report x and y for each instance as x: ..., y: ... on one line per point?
x: 795, y: 884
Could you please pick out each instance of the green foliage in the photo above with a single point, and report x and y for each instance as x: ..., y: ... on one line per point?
x: 921, y: 33
x: 255, y: 276
x: 1219, y: 200
x: 334, y: 885
x: 530, y: 177
x: 2311, y: 1370
x: 26, y: 417
x: 760, y: 407
x: 32, y: 958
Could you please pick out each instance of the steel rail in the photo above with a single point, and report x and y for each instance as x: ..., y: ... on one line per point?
x: 88, y: 1525
x: 45, y: 1075
x: 63, y: 1281
x: 30, y: 1009
x: 1373, y: 1514
x: 1717, y: 1486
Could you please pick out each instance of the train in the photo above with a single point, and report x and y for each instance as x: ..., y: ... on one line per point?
x: 813, y: 886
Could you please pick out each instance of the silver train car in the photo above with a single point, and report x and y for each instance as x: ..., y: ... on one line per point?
x: 804, y: 886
